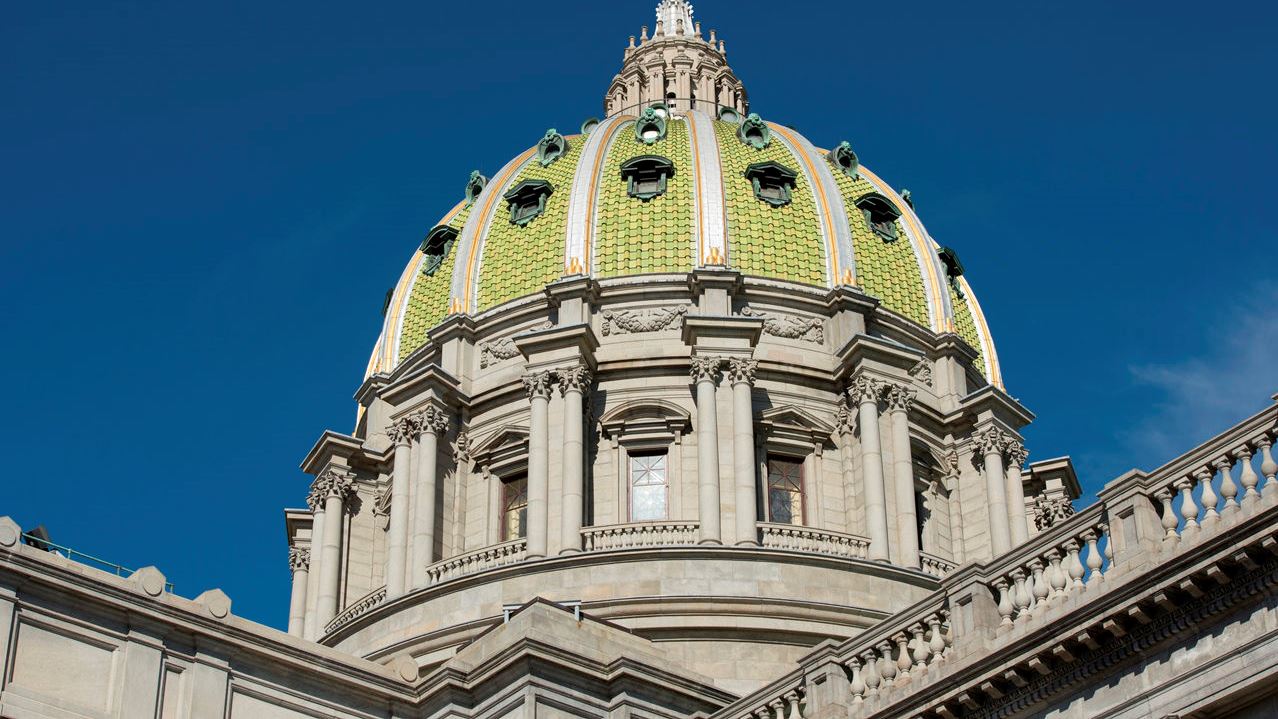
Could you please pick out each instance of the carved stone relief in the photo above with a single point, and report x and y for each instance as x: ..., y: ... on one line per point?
x: 806, y: 329
x: 620, y: 322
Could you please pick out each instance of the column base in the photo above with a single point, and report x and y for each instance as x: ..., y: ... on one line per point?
x: 569, y: 550
x: 710, y: 542
x: 747, y: 543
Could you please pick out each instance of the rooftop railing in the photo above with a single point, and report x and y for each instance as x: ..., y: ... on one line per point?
x: 75, y: 555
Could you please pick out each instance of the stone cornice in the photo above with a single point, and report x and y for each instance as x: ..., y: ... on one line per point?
x: 334, y: 444
x: 432, y: 380
x: 862, y: 348
x: 990, y: 402
x: 544, y: 349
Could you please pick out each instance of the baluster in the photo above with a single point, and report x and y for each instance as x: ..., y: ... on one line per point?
x: 936, y: 642
x: 1109, y: 548
x: 1094, y: 561
x: 1247, y: 477
x: 1164, y: 497
x: 1021, y: 597
x: 1269, y: 468
x: 871, y: 673
x: 858, y: 683
x: 1188, y: 510
x: 1056, y: 575
x: 1208, y: 497
x: 1074, y: 565
x: 1228, y: 489
x: 903, y: 661
x: 1004, y: 600
x: 887, y: 667
x: 1041, y: 590
x: 761, y: 713
x: 778, y: 708
x: 921, y: 649
x: 793, y: 698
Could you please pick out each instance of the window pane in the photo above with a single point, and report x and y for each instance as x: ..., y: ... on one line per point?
x: 648, y: 488
x: 514, y: 508
x: 785, y: 490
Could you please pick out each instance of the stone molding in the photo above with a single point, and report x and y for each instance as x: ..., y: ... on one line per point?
x: 620, y: 322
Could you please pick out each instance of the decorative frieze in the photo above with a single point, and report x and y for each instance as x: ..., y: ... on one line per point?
x: 620, y: 322
x: 497, y: 350
x: 806, y: 329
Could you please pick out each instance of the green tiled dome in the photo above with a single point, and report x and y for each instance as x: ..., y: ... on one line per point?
x: 807, y: 229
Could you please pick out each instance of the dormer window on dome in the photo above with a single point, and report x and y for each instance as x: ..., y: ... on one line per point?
x: 953, y: 268
x: 646, y: 175
x: 527, y: 200
x: 754, y: 132
x: 552, y: 147
x: 880, y: 216
x: 474, y: 186
x: 650, y: 127
x: 773, y: 182
x: 436, y: 246
x: 845, y: 159
x: 727, y: 114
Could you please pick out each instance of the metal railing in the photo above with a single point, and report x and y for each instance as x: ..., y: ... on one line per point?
x: 76, y: 555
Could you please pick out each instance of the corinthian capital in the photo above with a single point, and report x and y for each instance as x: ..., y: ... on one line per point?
x: 461, y: 449
x: 402, y: 430
x: 703, y: 368
x: 336, y: 483
x: 299, y: 558
x: 899, y: 397
x: 537, y: 384
x: 863, y: 388
x: 1016, y: 452
x: 574, y: 379
x: 843, y: 416
x: 741, y: 370
x: 432, y: 419
x: 990, y: 440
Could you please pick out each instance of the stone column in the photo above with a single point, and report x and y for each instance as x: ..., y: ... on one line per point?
x: 845, y: 422
x: 401, y: 433
x: 337, y: 487
x: 299, y: 561
x: 315, y: 500
x: 741, y: 376
x: 900, y: 398
x: 863, y: 391
x: 990, y: 443
x: 573, y: 383
x: 705, y: 373
x: 1016, y: 518
x: 538, y: 386
x: 431, y: 424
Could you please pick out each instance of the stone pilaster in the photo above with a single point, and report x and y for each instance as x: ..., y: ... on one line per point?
x: 989, y: 443
x: 1016, y: 517
x: 741, y: 377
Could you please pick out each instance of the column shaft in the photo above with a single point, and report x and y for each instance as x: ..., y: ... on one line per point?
x: 426, y: 474
x: 743, y: 457
x: 297, y: 601
x: 397, y: 533
x: 991, y: 446
x: 538, y: 464
x: 906, y: 514
x: 704, y: 371
x: 573, y: 383
x: 310, y: 630
x: 330, y: 571
x: 1016, y: 517
x: 872, y: 467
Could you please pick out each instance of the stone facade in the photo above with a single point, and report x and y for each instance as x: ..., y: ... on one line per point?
x: 684, y: 489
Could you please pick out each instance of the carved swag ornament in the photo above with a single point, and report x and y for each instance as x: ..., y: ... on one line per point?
x: 789, y: 327
x: 622, y: 322
x: 503, y: 349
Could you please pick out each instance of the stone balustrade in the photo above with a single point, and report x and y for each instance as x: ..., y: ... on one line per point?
x: 636, y: 535
x: 935, y: 566
x: 816, y: 541
x: 1061, y: 574
x: 1068, y: 557
x: 359, y: 607
x: 498, y: 555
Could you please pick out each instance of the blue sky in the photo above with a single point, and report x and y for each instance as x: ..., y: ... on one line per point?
x: 204, y: 205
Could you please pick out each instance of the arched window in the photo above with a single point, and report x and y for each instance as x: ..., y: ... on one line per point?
x: 552, y: 147
x: 651, y: 126
x: 754, y: 132
x: 880, y: 216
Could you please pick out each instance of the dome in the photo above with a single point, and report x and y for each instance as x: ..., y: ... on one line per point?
x: 837, y: 222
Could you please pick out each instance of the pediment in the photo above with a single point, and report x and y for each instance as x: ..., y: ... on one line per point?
x: 645, y: 416
x: 504, y: 442
x: 795, y: 424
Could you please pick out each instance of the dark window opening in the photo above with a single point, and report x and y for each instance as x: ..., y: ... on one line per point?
x: 773, y: 182
x: 880, y: 216
x: 528, y: 200
x: 646, y: 176
x: 514, y: 508
x: 785, y: 490
x: 436, y: 246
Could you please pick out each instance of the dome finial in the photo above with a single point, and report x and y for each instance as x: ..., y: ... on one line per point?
x: 674, y: 17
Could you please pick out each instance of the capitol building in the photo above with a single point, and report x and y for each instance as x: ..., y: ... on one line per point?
x: 683, y: 414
